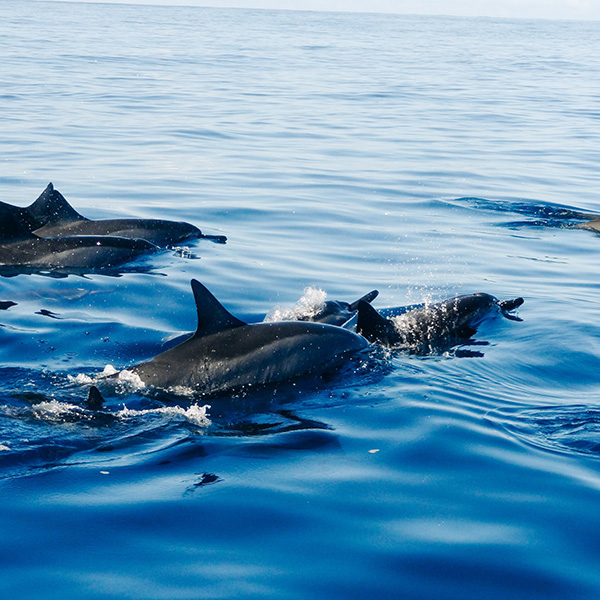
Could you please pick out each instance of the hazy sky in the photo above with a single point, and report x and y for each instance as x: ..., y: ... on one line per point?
x: 542, y: 9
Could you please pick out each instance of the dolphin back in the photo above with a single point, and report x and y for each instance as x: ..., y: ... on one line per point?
x: 12, y: 227
x: 247, y: 356
x: 51, y: 216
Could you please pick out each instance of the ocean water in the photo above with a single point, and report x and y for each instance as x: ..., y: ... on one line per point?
x: 421, y: 156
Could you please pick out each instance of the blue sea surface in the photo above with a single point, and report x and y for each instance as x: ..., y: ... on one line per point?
x: 421, y: 156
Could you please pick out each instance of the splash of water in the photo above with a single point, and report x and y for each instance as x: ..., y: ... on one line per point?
x: 195, y: 414
x: 310, y: 304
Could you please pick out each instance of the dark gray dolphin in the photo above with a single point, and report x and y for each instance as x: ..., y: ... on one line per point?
x: 226, y: 354
x: 52, y: 216
x: 432, y: 326
x: 338, y: 312
x: 21, y: 250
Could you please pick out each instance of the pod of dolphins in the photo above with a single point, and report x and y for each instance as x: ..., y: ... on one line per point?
x: 50, y: 235
x: 226, y: 354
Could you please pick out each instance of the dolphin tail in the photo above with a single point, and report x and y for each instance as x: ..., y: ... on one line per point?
x: 507, y: 306
x: 375, y: 328
x: 366, y: 298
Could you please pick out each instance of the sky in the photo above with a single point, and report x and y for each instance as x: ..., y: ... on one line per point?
x: 536, y: 9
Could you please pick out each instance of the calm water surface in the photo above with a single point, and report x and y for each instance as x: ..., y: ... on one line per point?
x: 424, y: 157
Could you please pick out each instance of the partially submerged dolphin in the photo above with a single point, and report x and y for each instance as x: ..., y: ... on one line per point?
x: 52, y: 216
x: 432, y: 326
x: 22, y: 250
x: 338, y: 312
x: 226, y: 354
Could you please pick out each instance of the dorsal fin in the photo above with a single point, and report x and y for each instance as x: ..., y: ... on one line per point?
x: 212, y: 315
x: 52, y: 208
x: 371, y: 325
x: 366, y: 298
x: 94, y: 400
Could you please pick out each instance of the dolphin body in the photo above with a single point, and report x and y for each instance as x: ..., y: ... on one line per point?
x: 21, y: 250
x: 226, y: 354
x: 52, y: 216
x: 432, y: 326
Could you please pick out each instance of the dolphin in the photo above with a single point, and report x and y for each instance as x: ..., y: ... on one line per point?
x: 433, y: 326
x: 226, y: 354
x: 21, y: 250
x: 338, y: 312
x: 52, y: 216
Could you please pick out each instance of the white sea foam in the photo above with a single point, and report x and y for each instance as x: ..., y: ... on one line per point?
x: 83, y: 379
x: 196, y: 414
x: 183, y: 251
x: 310, y: 304
x: 130, y: 380
x: 53, y: 409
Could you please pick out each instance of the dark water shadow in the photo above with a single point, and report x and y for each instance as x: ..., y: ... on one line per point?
x: 536, y: 215
x: 63, y: 273
x: 563, y: 429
